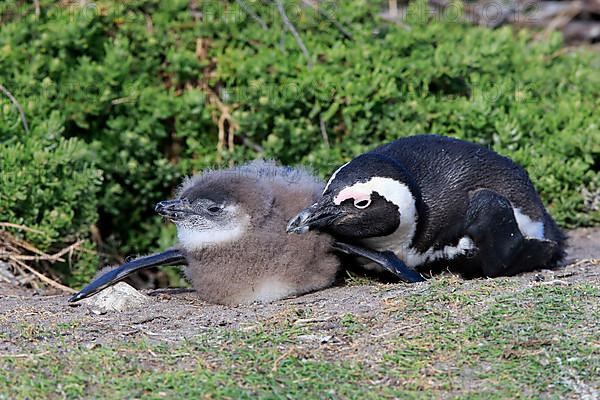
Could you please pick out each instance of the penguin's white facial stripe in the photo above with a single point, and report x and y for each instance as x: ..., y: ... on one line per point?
x: 390, y: 189
x: 393, y: 191
x: 528, y: 227
x: 356, y: 194
x: 333, y: 176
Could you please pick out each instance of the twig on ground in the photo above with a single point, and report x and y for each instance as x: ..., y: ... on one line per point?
x: 560, y: 20
x: 46, y: 257
x: 396, y: 330
x: 27, y: 279
x: 281, y: 357
x: 21, y: 227
x: 585, y: 261
x: 19, y: 271
x: 12, y: 249
x: 555, y: 282
x: 304, y: 321
x: 16, y: 104
x: 26, y: 246
x: 69, y: 249
x: 25, y: 355
x: 43, y: 277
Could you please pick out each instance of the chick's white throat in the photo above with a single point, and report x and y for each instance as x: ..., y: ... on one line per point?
x: 195, y: 239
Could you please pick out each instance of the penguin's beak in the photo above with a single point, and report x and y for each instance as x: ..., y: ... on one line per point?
x: 317, y: 216
x: 175, y: 210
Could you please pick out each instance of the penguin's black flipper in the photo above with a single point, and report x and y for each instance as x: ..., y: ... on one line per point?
x: 503, y: 250
x: 168, y: 257
x: 492, y: 226
x: 386, y: 259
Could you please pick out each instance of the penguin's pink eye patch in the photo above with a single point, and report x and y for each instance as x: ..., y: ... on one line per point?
x: 361, y: 198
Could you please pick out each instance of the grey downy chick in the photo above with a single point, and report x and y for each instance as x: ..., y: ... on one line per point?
x: 231, y: 228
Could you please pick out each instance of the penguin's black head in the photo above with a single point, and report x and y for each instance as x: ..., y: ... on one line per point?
x: 370, y: 196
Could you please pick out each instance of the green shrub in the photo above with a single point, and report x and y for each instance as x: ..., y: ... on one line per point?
x: 120, y: 88
x: 49, y: 183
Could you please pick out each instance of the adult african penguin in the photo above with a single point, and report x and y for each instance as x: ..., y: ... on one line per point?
x: 231, y: 234
x: 437, y: 201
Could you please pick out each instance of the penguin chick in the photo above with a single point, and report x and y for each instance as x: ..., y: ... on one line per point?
x: 437, y: 202
x: 231, y: 233
x: 231, y: 227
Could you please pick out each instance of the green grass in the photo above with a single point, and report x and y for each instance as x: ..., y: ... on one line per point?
x: 541, y: 340
x: 196, y: 368
x: 484, y: 339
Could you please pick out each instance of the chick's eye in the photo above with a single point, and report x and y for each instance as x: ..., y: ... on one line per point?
x: 214, y: 209
x: 362, y: 203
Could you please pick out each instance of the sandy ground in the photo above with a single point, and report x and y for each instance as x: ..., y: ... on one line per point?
x: 172, y: 315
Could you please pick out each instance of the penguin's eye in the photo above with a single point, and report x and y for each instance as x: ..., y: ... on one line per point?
x: 214, y: 209
x: 362, y: 203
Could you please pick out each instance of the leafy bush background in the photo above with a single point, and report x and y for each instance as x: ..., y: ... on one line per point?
x: 115, y: 96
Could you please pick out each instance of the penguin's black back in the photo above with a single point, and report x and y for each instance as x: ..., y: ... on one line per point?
x: 446, y: 171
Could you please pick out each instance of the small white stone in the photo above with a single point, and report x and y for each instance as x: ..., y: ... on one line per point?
x: 322, y: 339
x: 119, y: 297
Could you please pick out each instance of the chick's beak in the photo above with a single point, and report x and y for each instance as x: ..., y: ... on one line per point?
x: 316, y: 217
x: 174, y: 210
